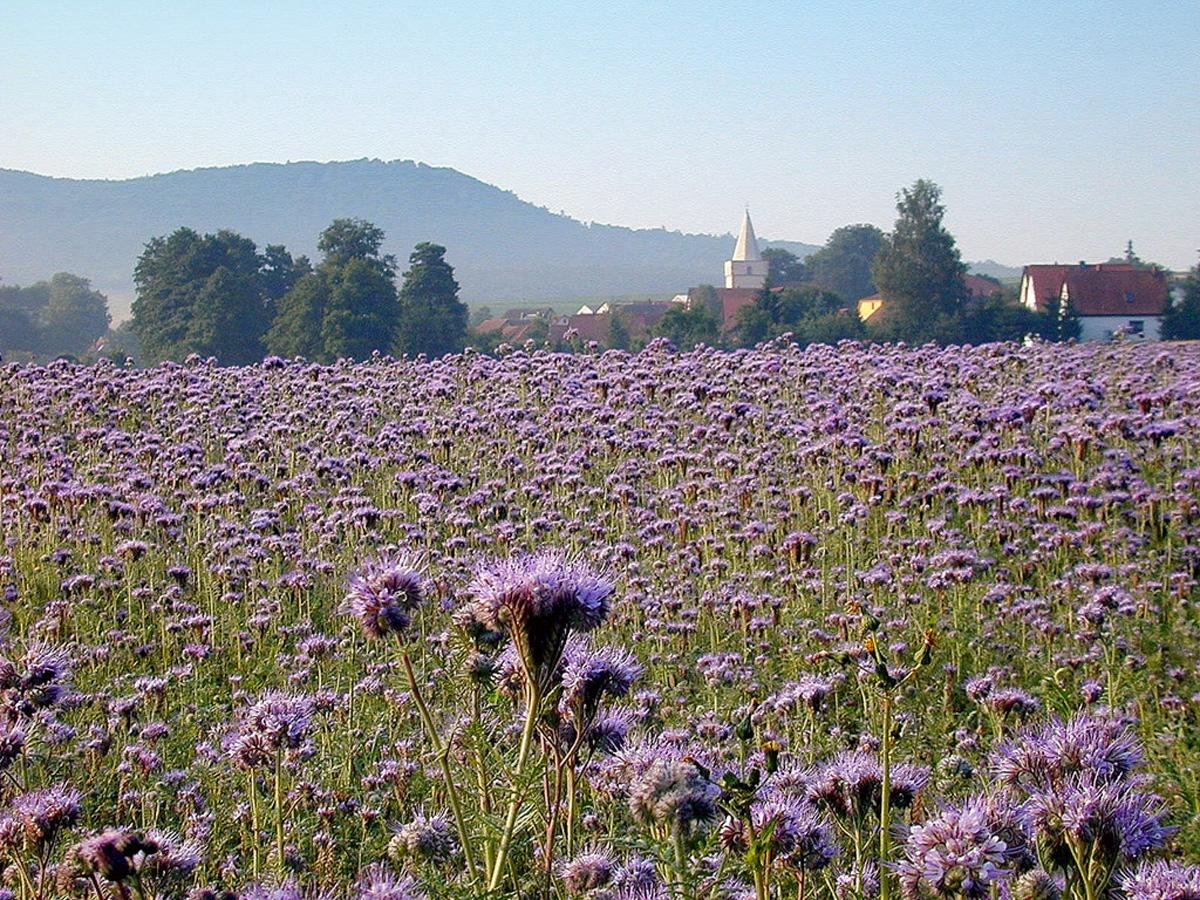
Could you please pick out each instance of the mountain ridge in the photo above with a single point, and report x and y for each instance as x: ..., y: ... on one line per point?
x: 502, y: 247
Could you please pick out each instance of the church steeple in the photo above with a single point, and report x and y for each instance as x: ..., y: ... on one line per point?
x: 747, y: 244
x: 747, y: 269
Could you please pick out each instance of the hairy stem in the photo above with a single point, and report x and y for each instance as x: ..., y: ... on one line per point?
x: 532, y: 709
x: 443, y: 762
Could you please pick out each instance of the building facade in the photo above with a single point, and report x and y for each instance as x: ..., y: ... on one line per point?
x: 747, y: 269
x: 1110, y: 299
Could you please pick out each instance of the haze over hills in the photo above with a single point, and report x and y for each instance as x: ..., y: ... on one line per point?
x: 501, y: 246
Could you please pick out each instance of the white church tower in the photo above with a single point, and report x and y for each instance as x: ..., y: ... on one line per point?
x: 747, y: 269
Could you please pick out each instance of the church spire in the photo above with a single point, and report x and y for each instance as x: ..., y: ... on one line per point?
x: 747, y: 269
x: 747, y: 244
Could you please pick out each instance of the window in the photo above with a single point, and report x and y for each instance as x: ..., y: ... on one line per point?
x: 1137, y: 326
x: 1129, y: 297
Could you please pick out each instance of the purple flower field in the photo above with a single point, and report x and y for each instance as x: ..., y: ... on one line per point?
x: 842, y: 622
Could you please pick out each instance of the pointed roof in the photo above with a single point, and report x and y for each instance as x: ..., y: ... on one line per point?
x: 747, y: 244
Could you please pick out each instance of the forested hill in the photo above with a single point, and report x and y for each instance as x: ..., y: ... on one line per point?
x: 500, y: 246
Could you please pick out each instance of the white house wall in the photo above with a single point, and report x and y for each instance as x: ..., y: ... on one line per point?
x: 1101, y: 328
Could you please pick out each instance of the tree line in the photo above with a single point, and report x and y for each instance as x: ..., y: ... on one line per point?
x: 218, y: 295
x: 59, y: 317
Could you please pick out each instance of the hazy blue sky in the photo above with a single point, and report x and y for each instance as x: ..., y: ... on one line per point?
x: 1057, y: 130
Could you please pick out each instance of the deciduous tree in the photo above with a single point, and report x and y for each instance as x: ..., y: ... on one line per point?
x: 432, y: 319
x: 1182, y: 320
x: 918, y: 269
x: 843, y: 265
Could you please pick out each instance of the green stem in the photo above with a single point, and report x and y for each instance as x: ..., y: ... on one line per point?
x: 442, y: 753
x: 279, y: 811
x: 253, y: 789
x: 680, y: 859
x: 885, y: 802
x: 514, y: 807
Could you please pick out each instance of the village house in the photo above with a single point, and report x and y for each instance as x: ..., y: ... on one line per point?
x: 1108, y: 298
x: 587, y: 324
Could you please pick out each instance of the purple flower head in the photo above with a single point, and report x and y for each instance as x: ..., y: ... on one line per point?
x: 1036, y: 884
x: 851, y: 783
x: 378, y: 882
x: 1162, y: 880
x: 37, y: 682
x: 165, y: 854
x: 1115, y: 820
x: 538, y: 600
x: 670, y: 790
x: 1050, y: 753
x: 383, y: 594
x: 587, y: 872
x: 638, y: 873
x: 277, y: 722
x: 431, y: 838
x: 288, y: 889
x: 590, y: 674
x: 1013, y: 700
x: 43, y: 813
x: 953, y: 854
x: 109, y: 852
x: 801, y: 837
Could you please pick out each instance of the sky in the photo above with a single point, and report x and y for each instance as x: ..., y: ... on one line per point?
x: 1057, y: 130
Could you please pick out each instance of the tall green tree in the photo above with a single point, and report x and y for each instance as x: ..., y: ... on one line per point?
x: 348, y: 239
x: 432, y: 319
x: 783, y: 266
x: 60, y: 316
x: 75, y: 315
x: 31, y: 300
x: 296, y: 328
x: 706, y: 295
x: 1060, y: 321
x: 174, y: 273
x: 1182, y: 320
x: 17, y: 332
x: 227, y: 318
x: 918, y: 270
x: 346, y: 306
x: 361, y: 314
x: 843, y: 266
x: 809, y: 314
x: 752, y: 324
x: 279, y: 271
x: 685, y: 327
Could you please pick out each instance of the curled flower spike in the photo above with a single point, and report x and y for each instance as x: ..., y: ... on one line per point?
x: 383, y: 595
x: 538, y: 600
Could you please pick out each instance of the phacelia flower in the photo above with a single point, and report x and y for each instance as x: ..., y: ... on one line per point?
x: 1162, y: 880
x: 953, y: 854
x: 538, y: 601
x: 383, y: 594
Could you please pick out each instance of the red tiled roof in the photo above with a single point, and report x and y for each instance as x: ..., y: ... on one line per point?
x: 734, y: 299
x: 981, y: 287
x: 493, y: 324
x: 1128, y: 292
x: 638, y: 318
x: 1047, y: 282
x: 1104, y: 289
